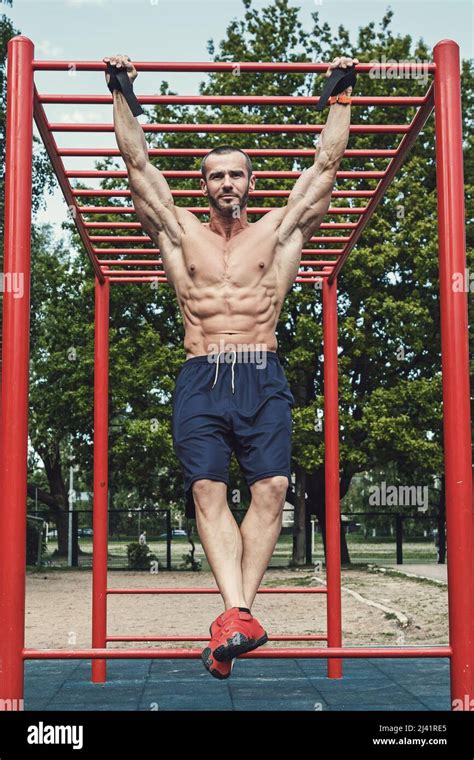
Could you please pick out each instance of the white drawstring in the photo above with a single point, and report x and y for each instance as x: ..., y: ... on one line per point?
x: 233, y: 365
x: 217, y: 369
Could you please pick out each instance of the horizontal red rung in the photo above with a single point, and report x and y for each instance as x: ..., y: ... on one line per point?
x: 131, y: 262
x: 206, y: 638
x: 205, y: 209
x: 118, y: 239
x: 157, y: 262
x: 114, y: 225
x: 145, y: 238
x: 132, y: 251
x: 125, y: 280
x: 234, y: 67
x: 137, y: 226
x: 206, y: 590
x: 322, y: 263
x: 153, y: 251
x: 249, y: 128
x: 233, y: 100
x: 127, y: 272
x: 160, y: 273
x: 309, y: 276
x: 262, y: 652
x: 263, y: 152
x: 170, y: 174
x: 136, y: 279
x: 199, y: 193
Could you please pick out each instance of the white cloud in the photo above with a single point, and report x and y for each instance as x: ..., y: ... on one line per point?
x: 48, y: 49
x: 86, y: 2
x: 80, y: 117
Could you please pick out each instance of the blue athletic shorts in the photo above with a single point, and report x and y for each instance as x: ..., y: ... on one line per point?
x: 237, y: 402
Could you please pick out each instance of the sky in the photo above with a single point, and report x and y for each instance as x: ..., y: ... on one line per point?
x: 174, y: 30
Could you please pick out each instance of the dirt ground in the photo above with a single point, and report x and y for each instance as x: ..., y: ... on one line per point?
x: 58, y: 608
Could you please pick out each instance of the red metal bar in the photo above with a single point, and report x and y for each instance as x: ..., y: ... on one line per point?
x: 309, y: 637
x: 146, y: 239
x: 99, y: 192
x: 206, y: 590
x: 163, y: 279
x: 331, y: 474
x: 137, y: 225
x: 194, y: 174
x: 205, y: 210
x: 139, y: 272
x: 227, y: 128
x: 261, y: 653
x: 406, y: 145
x: 233, y: 67
x: 137, y: 279
x: 152, y: 262
x: 455, y: 365
x: 52, y: 151
x: 128, y: 251
x: 131, y: 262
x: 15, y: 367
x: 264, y: 152
x: 101, y: 476
x: 232, y: 100
x: 161, y: 273
x: 107, y: 251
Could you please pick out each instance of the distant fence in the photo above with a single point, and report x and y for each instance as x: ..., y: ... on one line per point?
x: 171, y: 548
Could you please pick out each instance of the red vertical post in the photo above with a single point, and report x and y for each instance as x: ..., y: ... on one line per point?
x: 331, y: 470
x: 15, y: 369
x: 101, y: 477
x: 455, y: 366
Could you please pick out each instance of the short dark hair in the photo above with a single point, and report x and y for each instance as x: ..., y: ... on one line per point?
x: 226, y: 149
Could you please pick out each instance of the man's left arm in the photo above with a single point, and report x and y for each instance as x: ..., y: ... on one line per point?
x: 310, y: 198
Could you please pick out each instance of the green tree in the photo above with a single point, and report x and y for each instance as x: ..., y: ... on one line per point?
x: 390, y: 373
x: 42, y: 175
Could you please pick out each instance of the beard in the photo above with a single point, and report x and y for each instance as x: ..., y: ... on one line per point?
x: 228, y: 209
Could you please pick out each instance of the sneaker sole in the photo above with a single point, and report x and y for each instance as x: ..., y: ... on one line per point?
x: 239, y: 644
x: 207, y: 662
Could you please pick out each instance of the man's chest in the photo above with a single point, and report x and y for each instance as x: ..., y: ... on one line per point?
x: 243, y: 260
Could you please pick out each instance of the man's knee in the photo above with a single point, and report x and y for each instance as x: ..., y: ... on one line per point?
x: 209, y: 495
x: 270, y: 493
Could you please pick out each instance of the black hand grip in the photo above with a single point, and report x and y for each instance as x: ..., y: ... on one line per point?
x: 119, y: 80
x: 339, y: 80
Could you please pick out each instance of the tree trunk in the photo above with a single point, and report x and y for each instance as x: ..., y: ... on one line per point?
x: 317, y: 506
x: 299, y: 526
x: 441, y: 524
x: 60, y: 505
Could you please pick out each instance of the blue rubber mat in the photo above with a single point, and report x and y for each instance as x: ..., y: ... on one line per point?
x: 294, y: 684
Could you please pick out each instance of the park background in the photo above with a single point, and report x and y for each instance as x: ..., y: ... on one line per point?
x: 389, y: 336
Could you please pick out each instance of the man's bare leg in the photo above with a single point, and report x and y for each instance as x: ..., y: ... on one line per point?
x: 260, y: 530
x: 221, y: 539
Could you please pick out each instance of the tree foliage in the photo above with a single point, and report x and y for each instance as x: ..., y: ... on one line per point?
x: 388, y: 305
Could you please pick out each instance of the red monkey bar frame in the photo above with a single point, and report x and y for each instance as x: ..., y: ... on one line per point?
x: 24, y: 103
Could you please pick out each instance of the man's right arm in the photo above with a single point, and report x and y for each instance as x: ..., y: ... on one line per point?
x: 150, y: 192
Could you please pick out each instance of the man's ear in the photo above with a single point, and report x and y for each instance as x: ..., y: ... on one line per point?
x: 252, y: 182
x: 202, y: 182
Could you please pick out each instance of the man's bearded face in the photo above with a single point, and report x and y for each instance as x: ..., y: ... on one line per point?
x: 227, y: 182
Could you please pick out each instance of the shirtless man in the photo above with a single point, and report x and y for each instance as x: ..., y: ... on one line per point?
x: 231, y: 278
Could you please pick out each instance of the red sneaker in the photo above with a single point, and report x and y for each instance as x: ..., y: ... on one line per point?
x: 239, y: 633
x: 220, y: 670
